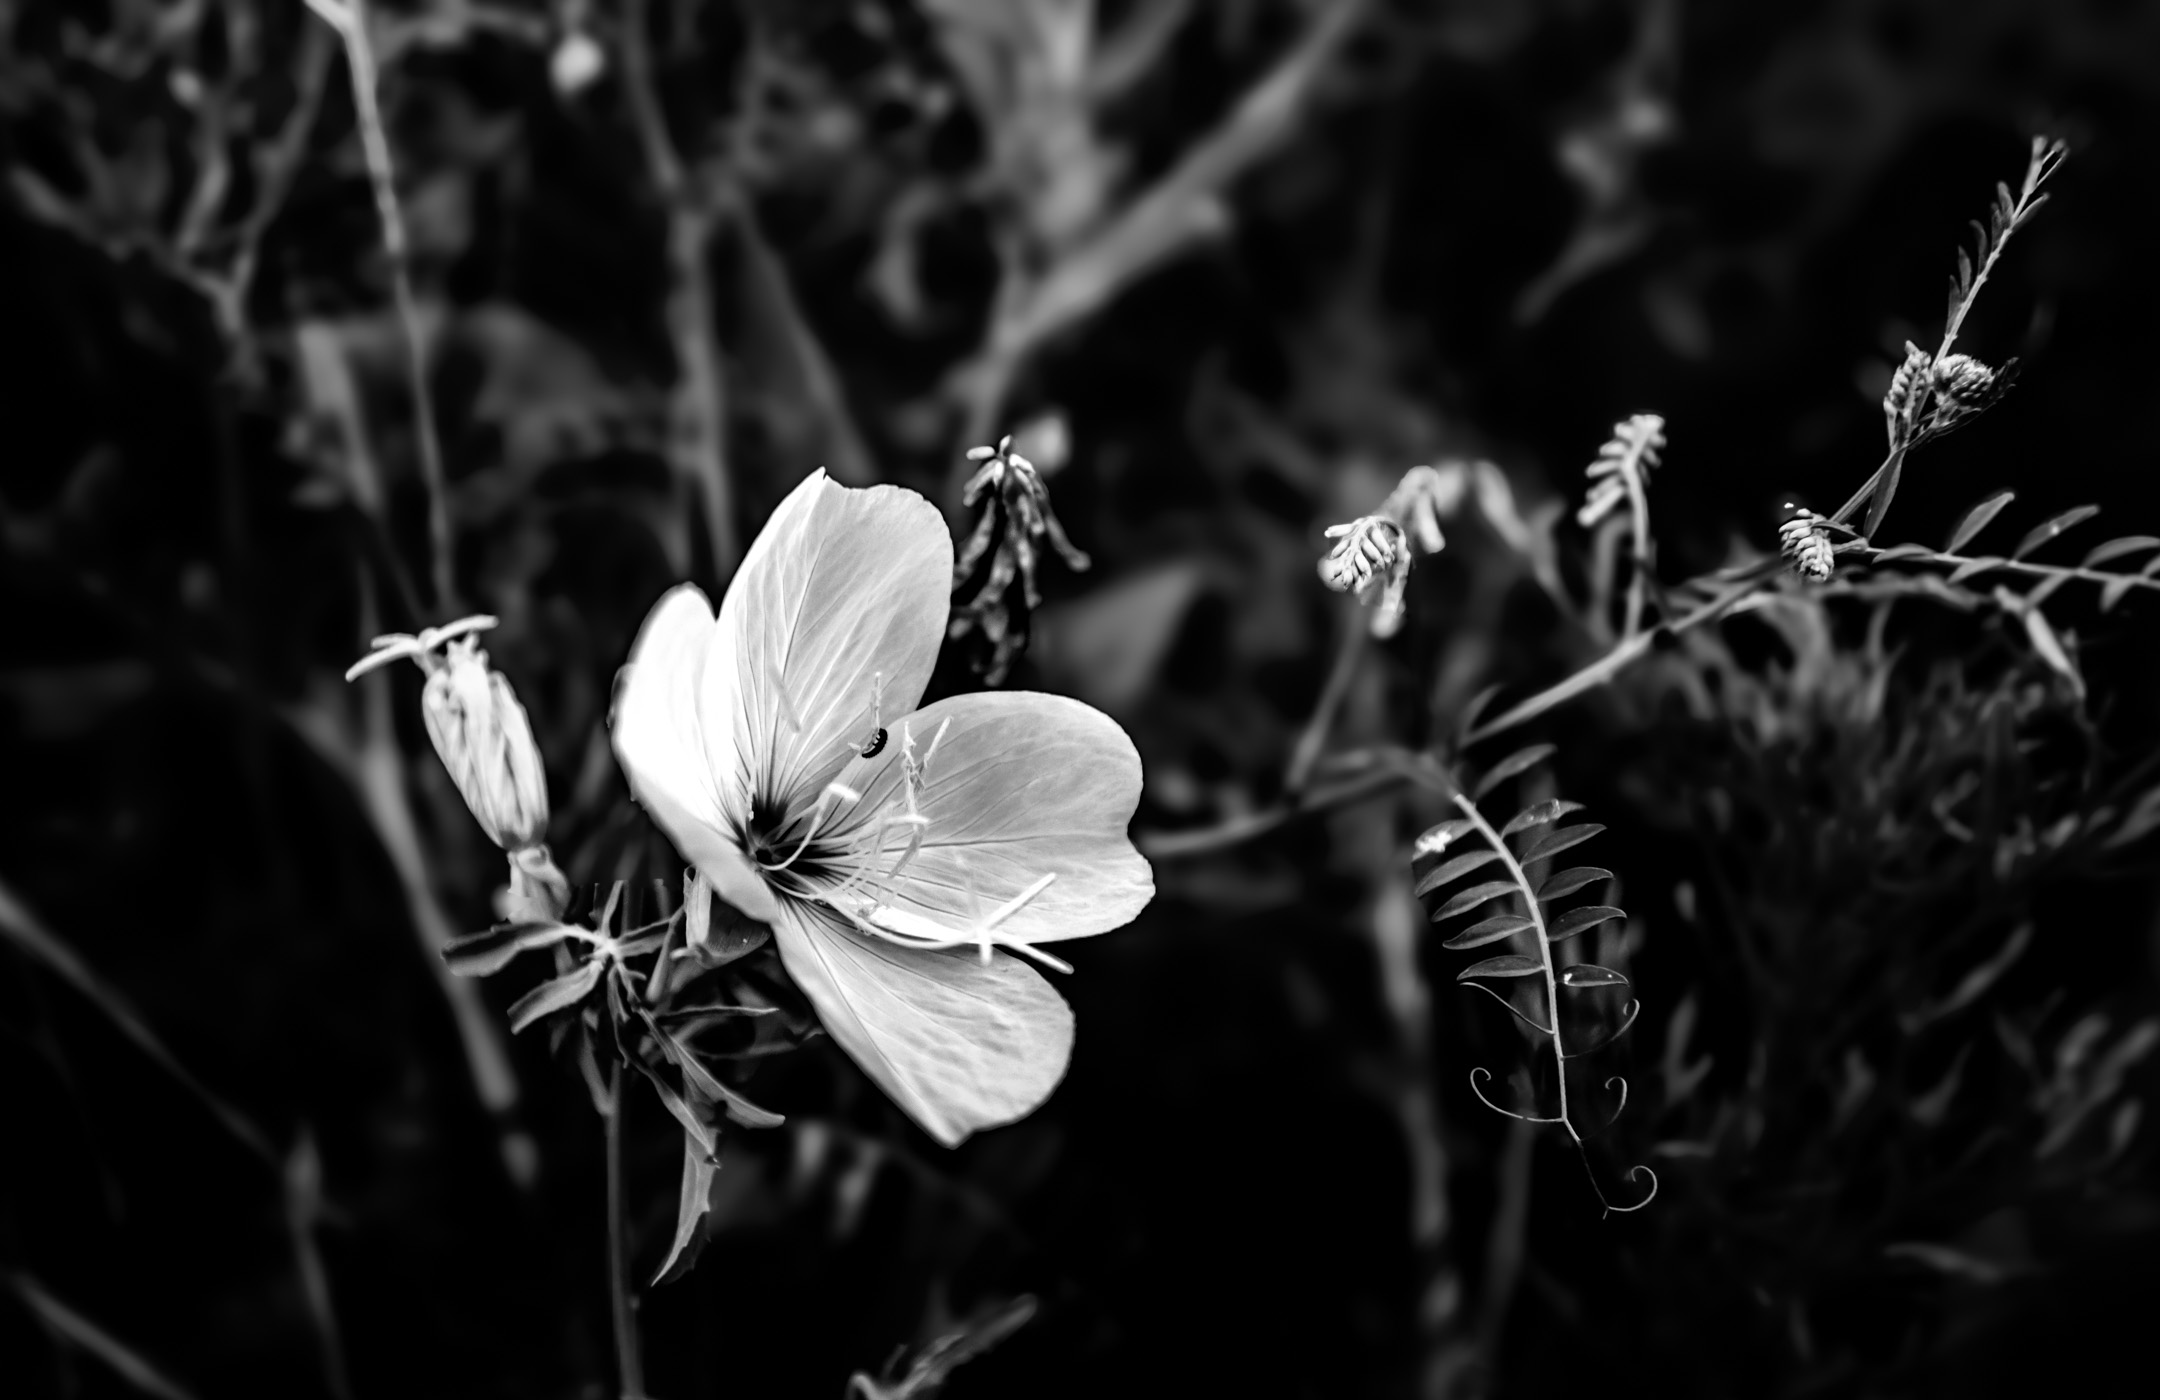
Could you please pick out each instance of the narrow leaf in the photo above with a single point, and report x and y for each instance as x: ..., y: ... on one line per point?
x: 1508, y: 767
x: 1590, y: 975
x: 2051, y: 650
x: 1475, y: 710
x: 1574, y: 921
x: 1455, y: 869
x: 1512, y: 965
x: 1965, y: 268
x: 2116, y: 549
x: 706, y: 1136
x: 1977, y: 520
x: 2046, y: 589
x: 1970, y: 567
x: 695, y: 1200
x: 1540, y: 813
x: 708, y: 1089
x: 127, y: 1363
x: 1554, y: 842
x: 1565, y: 882
x: 491, y: 950
x: 1489, y: 931
x: 2048, y: 529
x: 1474, y: 896
x: 556, y: 994
x: 1446, y: 834
x: 2115, y: 589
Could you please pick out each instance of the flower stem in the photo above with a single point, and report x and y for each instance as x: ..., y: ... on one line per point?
x: 350, y: 19
x: 629, y: 1361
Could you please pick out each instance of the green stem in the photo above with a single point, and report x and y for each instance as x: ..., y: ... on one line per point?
x: 629, y: 1362
x: 351, y: 22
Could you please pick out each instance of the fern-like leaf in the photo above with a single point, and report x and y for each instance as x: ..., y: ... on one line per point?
x: 1532, y: 921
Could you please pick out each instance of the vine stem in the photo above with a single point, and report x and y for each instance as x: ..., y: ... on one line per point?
x: 350, y: 19
x: 629, y: 1361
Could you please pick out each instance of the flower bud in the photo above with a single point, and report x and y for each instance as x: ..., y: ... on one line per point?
x: 483, y: 738
x: 1805, y: 543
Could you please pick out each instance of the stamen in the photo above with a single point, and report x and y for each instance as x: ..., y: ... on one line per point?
x: 935, y: 740
x: 817, y: 820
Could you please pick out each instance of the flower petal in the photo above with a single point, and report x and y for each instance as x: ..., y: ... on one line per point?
x: 958, y: 1044
x: 671, y: 758
x: 841, y: 586
x: 1021, y: 786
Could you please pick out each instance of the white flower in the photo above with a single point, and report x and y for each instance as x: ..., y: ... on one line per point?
x: 901, y: 855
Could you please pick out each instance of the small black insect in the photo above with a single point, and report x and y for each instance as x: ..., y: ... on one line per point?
x: 876, y: 745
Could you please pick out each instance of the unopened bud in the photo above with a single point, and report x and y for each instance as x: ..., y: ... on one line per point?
x: 1805, y: 542
x: 483, y: 738
x: 1898, y: 403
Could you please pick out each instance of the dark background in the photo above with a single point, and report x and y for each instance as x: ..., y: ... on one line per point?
x: 1299, y: 254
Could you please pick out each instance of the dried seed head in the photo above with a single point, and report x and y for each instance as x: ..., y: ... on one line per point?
x: 1016, y: 518
x: 1806, y: 545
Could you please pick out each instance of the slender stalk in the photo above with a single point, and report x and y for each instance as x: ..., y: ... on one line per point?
x: 1314, y: 736
x: 350, y: 19
x: 697, y: 407
x: 622, y: 1309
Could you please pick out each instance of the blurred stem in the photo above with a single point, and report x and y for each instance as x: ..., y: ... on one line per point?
x: 1504, y: 1249
x: 629, y: 1361
x: 1313, y: 738
x: 350, y: 19
x: 1155, y: 225
x: 697, y: 406
x: 1396, y: 916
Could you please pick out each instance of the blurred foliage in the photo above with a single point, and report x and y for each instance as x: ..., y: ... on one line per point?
x: 1889, y: 873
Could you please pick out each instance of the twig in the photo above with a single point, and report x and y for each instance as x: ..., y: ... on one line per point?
x: 697, y: 405
x: 350, y: 19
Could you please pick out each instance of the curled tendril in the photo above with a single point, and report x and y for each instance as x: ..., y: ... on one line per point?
x: 1632, y: 1173
x: 1540, y: 1027
x: 1634, y: 1009
x: 1525, y: 1117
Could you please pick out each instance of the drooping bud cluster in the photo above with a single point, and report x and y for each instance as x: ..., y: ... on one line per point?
x: 485, y: 742
x: 1371, y: 557
x: 1622, y: 467
x: 1804, y: 540
x: 1928, y: 398
x: 1016, y: 516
